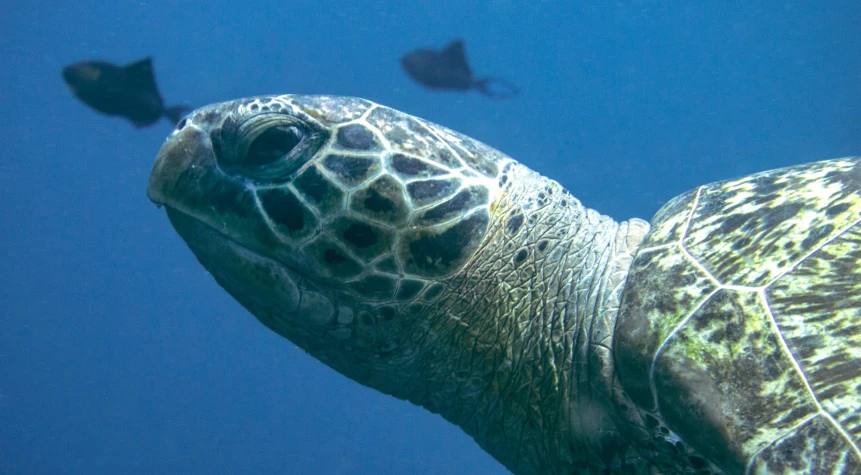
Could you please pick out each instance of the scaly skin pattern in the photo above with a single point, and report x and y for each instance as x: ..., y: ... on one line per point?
x: 431, y: 267
x: 413, y: 260
x: 740, y: 327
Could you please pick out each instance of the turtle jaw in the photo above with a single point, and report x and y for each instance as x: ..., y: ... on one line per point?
x: 205, y: 205
x: 186, y: 179
x: 230, y: 241
x: 267, y: 288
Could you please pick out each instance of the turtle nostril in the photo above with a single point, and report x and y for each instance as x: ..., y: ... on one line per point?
x: 182, y: 123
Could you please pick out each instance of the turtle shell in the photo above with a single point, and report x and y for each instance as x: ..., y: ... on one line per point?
x: 739, y: 333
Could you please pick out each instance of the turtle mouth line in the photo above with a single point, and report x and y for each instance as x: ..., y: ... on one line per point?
x: 270, y: 290
x: 194, y: 231
x: 200, y: 235
x: 188, y: 226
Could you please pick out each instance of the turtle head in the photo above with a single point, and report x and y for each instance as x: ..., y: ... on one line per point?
x: 333, y: 220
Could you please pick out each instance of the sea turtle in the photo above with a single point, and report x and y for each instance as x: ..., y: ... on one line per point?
x: 723, y: 338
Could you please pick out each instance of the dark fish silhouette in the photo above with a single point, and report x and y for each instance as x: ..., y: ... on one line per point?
x: 448, y: 70
x: 125, y: 91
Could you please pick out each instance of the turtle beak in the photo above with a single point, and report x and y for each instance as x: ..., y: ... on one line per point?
x: 183, y: 152
x: 187, y: 180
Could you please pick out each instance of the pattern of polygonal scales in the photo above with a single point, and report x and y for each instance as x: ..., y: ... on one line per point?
x: 389, y: 203
x: 740, y: 324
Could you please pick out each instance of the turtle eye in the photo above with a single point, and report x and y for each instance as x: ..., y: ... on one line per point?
x: 268, y: 146
x: 273, y: 144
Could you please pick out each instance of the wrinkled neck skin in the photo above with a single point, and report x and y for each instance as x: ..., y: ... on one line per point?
x: 516, y: 350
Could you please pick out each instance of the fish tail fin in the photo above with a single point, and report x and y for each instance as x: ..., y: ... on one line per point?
x: 496, y: 88
x: 175, y: 113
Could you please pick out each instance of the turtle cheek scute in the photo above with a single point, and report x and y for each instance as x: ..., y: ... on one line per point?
x: 383, y: 201
x: 319, y: 191
x: 292, y: 220
x: 351, y: 171
x: 328, y: 262
x: 440, y: 252
x: 365, y: 240
x: 408, y: 167
x: 423, y: 192
x: 356, y: 137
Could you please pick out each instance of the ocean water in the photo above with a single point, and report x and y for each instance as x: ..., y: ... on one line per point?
x: 119, y: 354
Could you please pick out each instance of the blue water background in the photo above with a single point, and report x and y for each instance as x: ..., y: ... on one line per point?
x: 119, y: 354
